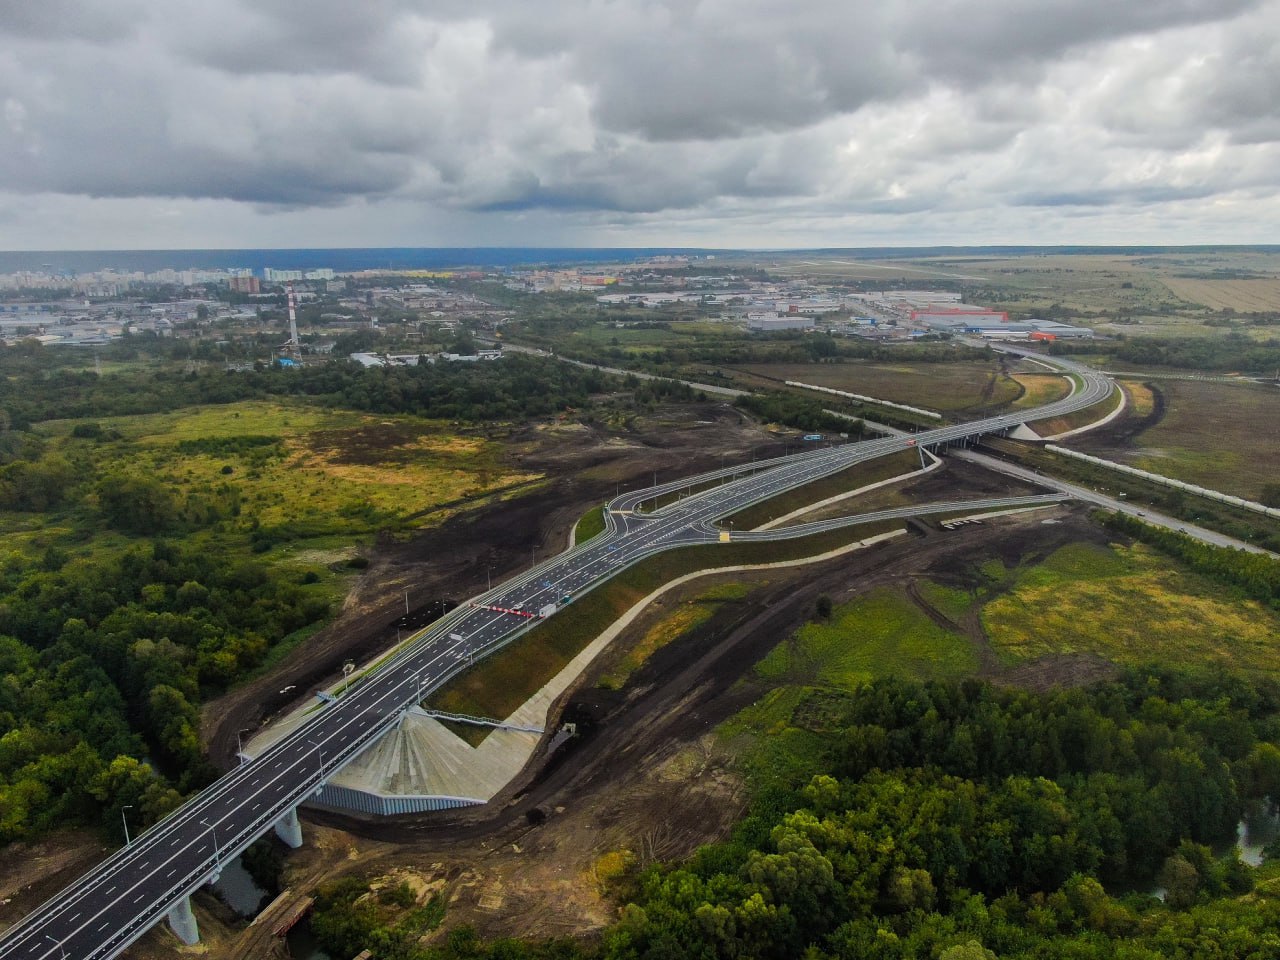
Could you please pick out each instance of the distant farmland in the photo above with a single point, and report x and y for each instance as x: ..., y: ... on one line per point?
x: 1245, y: 296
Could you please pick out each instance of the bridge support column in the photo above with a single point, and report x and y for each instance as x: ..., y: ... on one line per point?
x: 289, y: 830
x: 183, y: 922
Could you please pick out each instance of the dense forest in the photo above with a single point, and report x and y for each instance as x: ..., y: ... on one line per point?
x: 1231, y: 352
x: 518, y: 387
x: 955, y: 821
x: 99, y: 697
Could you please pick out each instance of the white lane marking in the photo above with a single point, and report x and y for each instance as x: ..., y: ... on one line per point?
x: 421, y: 646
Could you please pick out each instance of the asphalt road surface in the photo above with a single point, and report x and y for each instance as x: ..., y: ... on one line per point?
x: 111, y: 906
x: 1087, y: 494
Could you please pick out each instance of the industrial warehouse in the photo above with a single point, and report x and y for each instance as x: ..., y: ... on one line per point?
x: 993, y: 324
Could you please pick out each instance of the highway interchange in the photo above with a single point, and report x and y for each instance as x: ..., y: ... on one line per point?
x: 104, y: 911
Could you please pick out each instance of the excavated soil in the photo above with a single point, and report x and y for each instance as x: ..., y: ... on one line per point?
x: 528, y: 863
x: 443, y: 564
x: 1121, y: 432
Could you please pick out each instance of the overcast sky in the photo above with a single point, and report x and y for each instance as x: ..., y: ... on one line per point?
x: 729, y: 123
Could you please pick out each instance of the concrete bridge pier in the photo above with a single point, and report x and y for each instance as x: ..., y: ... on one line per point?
x: 183, y: 922
x: 289, y: 830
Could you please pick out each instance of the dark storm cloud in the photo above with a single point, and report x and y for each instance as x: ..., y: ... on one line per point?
x: 365, y: 38
x: 616, y: 109
x: 99, y: 21
x: 677, y: 70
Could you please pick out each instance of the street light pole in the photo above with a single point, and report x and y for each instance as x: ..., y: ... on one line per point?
x: 217, y: 851
x: 123, y: 820
x: 240, y: 745
x: 60, y: 946
x: 320, y: 754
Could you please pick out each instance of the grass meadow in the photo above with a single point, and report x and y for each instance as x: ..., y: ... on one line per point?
x: 1040, y: 388
x: 1225, y: 436
x: 497, y: 685
x: 298, y: 465
x: 1128, y: 604
x: 945, y: 387
x: 874, y: 635
x: 291, y: 484
x: 1125, y: 604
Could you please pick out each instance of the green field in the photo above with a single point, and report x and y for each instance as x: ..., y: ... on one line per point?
x: 652, y: 330
x: 945, y: 387
x: 1225, y: 436
x: 298, y: 472
x: 861, y: 475
x: 1127, y: 605
x: 591, y: 523
x: 1040, y: 389
x: 1080, y: 418
x: 295, y: 487
x: 681, y: 619
x: 848, y: 268
x: 1158, y: 293
x: 879, y: 634
x: 500, y: 683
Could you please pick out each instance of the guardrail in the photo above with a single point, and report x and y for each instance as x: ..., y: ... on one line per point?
x: 897, y: 513
x: 788, y: 472
x: 932, y: 414
x: 1164, y: 481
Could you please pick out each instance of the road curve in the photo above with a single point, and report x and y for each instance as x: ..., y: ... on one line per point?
x: 104, y: 911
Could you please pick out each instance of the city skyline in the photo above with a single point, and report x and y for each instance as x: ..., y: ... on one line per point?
x: 141, y: 126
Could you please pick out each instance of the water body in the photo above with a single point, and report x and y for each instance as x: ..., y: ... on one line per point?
x: 235, y: 887
x: 1259, y: 828
x: 238, y: 891
x: 302, y: 943
x: 341, y: 259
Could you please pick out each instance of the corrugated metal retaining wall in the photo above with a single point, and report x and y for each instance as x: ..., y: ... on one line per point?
x: 386, y: 805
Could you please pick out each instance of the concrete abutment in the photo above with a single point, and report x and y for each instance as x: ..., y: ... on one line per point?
x: 289, y: 829
x: 183, y: 922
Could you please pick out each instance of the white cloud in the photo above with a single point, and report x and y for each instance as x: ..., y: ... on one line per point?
x: 617, y: 121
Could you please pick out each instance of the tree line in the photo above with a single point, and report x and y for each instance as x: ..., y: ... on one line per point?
x: 795, y: 410
x: 956, y: 821
x: 1255, y: 575
x: 516, y: 387
x: 1231, y: 352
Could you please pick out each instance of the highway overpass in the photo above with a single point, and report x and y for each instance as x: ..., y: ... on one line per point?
x: 108, y: 908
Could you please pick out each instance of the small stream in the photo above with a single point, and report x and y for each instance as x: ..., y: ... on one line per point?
x: 237, y: 890
x: 302, y: 945
x: 1260, y: 827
